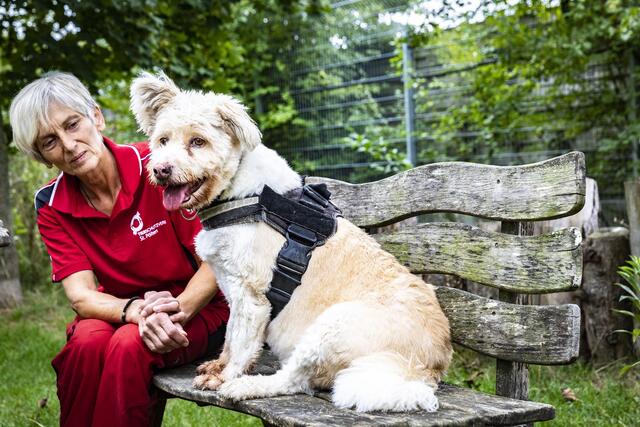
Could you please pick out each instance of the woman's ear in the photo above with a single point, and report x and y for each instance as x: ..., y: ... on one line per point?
x: 149, y: 95
x: 98, y: 119
x: 239, y: 124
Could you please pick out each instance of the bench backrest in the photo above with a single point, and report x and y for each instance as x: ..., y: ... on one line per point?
x: 507, y: 260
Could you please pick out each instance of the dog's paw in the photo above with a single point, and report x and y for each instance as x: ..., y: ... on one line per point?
x: 207, y: 382
x: 239, y: 388
x: 212, y: 367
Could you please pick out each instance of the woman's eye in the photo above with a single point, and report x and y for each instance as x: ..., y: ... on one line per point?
x: 73, y: 125
x: 197, y: 142
x: 48, y: 144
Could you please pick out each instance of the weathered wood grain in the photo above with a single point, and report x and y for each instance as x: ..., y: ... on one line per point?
x: 458, y: 407
x: 536, y: 264
x: 543, y: 335
x: 5, y: 237
x: 605, y: 250
x: 512, y: 378
x: 543, y: 190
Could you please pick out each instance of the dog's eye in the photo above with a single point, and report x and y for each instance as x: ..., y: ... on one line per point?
x: 197, y: 142
x: 163, y: 140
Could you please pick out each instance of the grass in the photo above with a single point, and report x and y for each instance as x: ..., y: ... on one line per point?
x: 32, y: 334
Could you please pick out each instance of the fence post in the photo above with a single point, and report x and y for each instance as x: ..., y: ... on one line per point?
x: 409, y: 104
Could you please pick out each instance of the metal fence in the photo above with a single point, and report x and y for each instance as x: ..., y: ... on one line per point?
x: 350, y: 78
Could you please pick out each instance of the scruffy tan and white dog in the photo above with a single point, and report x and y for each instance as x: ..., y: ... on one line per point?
x: 360, y: 322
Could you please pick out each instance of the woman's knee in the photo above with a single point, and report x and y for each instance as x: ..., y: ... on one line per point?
x: 126, y: 340
x: 89, y: 335
x: 87, y: 341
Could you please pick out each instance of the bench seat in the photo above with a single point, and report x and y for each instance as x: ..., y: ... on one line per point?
x: 458, y: 406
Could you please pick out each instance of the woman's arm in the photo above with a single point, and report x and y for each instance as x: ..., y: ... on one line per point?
x: 82, y: 293
x: 158, y: 332
x: 198, y: 292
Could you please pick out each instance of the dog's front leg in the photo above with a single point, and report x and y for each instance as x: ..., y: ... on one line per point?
x: 246, y: 338
x: 248, y: 320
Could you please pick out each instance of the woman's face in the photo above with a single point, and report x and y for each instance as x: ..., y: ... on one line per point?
x: 72, y: 142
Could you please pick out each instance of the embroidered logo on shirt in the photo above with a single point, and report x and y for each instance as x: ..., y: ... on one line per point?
x: 136, y: 223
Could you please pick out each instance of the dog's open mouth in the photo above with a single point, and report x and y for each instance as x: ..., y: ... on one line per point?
x: 175, y: 195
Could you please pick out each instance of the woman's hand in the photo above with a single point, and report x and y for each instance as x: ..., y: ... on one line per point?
x: 162, y: 302
x: 160, y: 334
x: 159, y: 322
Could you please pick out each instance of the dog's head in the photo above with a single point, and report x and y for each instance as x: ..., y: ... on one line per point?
x: 197, y: 139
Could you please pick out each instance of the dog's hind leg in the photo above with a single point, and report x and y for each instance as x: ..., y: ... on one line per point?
x: 384, y: 381
x: 344, y: 344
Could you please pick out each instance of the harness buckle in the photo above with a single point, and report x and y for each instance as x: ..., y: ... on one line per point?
x: 301, y: 235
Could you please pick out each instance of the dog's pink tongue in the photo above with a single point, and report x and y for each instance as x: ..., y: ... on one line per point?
x: 173, y: 196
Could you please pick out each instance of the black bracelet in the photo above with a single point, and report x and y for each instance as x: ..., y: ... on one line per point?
x: 123, y: 316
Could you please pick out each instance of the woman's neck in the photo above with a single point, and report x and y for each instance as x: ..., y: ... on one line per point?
x: 101, y: 186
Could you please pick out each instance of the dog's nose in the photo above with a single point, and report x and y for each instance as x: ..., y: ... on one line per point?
x: 162, y: 171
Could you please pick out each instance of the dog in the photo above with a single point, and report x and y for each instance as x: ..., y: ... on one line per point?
x: 359, y: 323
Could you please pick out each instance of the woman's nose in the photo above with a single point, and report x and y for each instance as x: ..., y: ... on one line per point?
x: 68, y: 142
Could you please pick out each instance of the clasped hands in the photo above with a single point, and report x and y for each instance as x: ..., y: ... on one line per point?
x: 160, y: 322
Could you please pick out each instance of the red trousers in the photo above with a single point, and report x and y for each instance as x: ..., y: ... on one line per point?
x: 105, y: 370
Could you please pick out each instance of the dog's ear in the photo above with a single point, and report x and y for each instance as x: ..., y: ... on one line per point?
x: 149, y: 95
x: 238, y: 122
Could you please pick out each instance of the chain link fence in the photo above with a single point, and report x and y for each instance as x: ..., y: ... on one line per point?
x: 367, y: 104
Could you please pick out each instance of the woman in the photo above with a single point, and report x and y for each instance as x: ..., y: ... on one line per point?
x: 127, y: 266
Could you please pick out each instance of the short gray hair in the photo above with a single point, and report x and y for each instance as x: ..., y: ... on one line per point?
x: 30, y: 108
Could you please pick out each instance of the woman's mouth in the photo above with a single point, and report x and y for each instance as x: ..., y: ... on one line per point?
x: 79, y: 157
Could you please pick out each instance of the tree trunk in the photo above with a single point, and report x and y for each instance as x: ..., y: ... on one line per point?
x: 632, y: 198
x: 10, y: 290
x: 604, y: 251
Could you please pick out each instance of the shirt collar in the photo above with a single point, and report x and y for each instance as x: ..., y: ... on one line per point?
x: 66, y: 196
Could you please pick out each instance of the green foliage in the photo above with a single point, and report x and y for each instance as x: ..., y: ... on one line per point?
x: 630, y: 272
x: 388, y: 159
x: 534, y: 77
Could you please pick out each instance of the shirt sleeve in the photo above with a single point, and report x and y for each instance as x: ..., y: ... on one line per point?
x: 66, y: 256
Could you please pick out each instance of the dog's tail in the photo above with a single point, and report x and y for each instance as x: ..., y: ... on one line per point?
x: 385, y: 382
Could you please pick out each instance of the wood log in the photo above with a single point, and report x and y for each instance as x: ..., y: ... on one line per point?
x: 632, y: 199
x: 550, y: 189
x: 604, y: 251
x: 5, y: 237
x: 10, y: 289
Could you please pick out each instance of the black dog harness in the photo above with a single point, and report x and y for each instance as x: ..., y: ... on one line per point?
x: 304, y: 216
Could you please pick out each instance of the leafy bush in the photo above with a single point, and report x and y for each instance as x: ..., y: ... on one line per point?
x: 630, y: 272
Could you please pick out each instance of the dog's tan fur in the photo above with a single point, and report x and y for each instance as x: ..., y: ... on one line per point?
x: 358, y: 313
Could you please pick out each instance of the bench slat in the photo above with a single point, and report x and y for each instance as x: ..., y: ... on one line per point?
x: 458, y: 407
x: 534, y: 264
x: 543, y: 190
x: 537, y: 334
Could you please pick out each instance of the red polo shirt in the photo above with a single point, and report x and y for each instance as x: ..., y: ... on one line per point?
x: 140, y: 247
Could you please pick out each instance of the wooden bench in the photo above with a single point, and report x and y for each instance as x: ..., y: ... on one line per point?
x: 512, y: 261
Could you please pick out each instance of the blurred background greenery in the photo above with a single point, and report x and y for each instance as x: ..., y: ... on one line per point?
x: 351, y: 89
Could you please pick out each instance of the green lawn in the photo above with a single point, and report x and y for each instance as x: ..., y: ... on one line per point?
x: 32, y: 334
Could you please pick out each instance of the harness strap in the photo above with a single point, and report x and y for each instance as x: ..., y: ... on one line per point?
x: 304, y: 216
